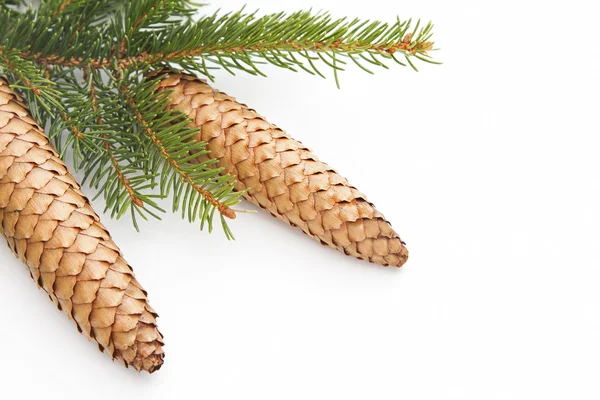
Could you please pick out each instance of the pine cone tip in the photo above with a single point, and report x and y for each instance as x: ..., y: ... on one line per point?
x: 146, y: 353
x: 402, y: 256
x: 149, y: 364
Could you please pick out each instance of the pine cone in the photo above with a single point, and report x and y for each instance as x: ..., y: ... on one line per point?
x: 283, y: 176
x: 51, y: 226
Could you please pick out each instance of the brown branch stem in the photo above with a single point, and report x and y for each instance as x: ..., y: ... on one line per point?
x: 61, y: 8
x: 406, y: 46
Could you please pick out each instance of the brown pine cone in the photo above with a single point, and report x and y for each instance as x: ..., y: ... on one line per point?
x: 283, y: 176
x: 51, y: 226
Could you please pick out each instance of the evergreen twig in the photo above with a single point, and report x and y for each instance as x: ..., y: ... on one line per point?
x: 121, y: 134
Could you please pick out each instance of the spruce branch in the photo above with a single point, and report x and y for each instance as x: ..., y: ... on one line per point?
x: 242, y: 41
x: 121, y: 133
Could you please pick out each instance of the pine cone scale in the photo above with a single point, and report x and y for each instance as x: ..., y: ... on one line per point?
x: 51, y: 226
x: 283, y: 176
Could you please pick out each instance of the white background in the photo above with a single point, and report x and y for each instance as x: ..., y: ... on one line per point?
x: 487, y: 166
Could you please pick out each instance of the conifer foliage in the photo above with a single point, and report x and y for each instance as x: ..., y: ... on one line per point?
x: 81, y: 66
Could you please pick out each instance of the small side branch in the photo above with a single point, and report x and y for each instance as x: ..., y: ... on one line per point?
x: 136, y: 25
x: 223, y: 209
x: 72, y: 126
x: 110, y: 152
x: 37, y: 91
